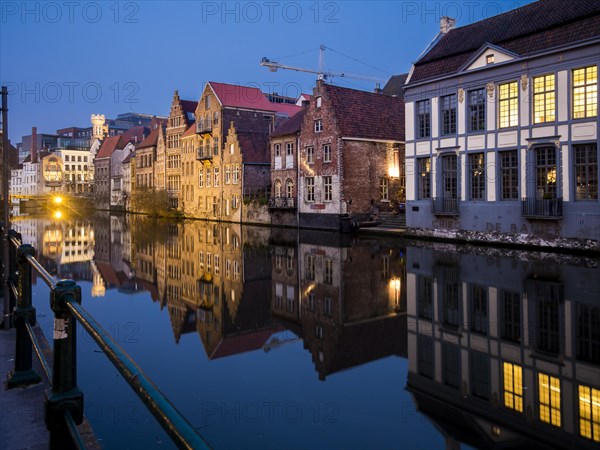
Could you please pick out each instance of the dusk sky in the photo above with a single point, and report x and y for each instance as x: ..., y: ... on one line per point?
x: 63, y: 61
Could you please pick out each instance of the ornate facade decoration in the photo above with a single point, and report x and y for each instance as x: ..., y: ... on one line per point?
x: 524, y: 81
x: 490, y: 87
x: 461, y: 95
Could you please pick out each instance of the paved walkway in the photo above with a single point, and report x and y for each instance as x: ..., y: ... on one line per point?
x: 22, y: 409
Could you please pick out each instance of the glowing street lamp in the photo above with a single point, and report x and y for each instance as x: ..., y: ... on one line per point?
x: 58, y: 200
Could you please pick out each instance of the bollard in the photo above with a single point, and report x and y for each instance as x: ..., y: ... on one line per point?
x: 24, y: 313
x: 64, y: 395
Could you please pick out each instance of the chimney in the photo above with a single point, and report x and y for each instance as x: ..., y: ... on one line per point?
x: 378, y: 89
x: 33, y: 150
x: 446, y: 24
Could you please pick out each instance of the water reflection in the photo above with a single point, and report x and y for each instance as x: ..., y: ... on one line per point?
x: 505, y: 351
x: 502, y: 347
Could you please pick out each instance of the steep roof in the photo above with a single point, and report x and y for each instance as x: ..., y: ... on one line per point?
x: 254, y: 146
x: 110, y: 144
x: 190, y: 131
x: 189, y: 107
x: 150, y: 140
x: 238, y: 96
x: 291, y: 125
x: 395, y: 85
x: 367, y: 115
x: 535, y: 27
x: 128, y: 158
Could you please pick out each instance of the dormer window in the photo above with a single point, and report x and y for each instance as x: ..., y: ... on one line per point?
x: 318, y: 102
x: 489, y: 59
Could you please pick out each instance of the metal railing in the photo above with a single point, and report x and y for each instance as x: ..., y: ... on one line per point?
x: 64, y: 401
x: 204, y: 126
x: 447, y: 206
x: 545, y: 208
x: 204, y: 153
x: 282, y: 203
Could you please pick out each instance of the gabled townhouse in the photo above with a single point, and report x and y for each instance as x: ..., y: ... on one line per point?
x: 146, y: 156
x: 128, y: 182
x: 214, y: 179
x: 283, y: 203
x: 181, y: 117
x: 502, y: 125
x: 108, y: 171
x: 351, y: 156
x: 78, y: 170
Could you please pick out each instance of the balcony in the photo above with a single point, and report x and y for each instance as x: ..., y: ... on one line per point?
x: 204, y: 127
x: 204, y: 154
x: 282, y: 203
x: 542, y: 208
x: 445, y: 206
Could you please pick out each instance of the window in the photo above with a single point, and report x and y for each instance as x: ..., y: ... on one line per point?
x: 232, y: 149
x: 479, y: 307
x: 448, y: 114
x: 384, y: 188
x: 309, y: 272
x: 589, y: 413
x: 450, y: 176
x: 310, y: 155
x: 424, y: 178
x: 201, y: 178
x: 289, y: 188
x: 277, y: 188
x: 277, y: 149
x: 327, y: 153
x: 289, y: 148
x: 585, y: 92
x: 509, y: 171
x: 545, y: 172
x: 477, y: 110
x: 234, y: 201
x: 328, y: 274
x: 549, y: 391
x: 544, y: 99
x: 328, y: 188
x: 480, y: 374
x: 236, y: 174
x: 451, y: 364
x: 425, y: 356
x: 425, y: 297
x: 509, y: 104
x: 511, y: 316
x: 310, y: 302
x: 489, y: 59
x: 513, y: 386
x: 451, y: 300
x: 477, y: 176
x: 208, y: 176
x: 318, y: 102
x: 227, y: 174
x: 586, y: 171
x: 327, y: 306
x: 207, y: 102
x: 423, y: 118
x: 318, y: 126
x: 588, y: 333
x: 310, y: 189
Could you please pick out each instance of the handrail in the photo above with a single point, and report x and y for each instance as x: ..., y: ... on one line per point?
x: 64, y: 402
x: 180, y: 430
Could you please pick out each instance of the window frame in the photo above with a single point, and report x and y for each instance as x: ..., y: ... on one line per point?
x: 309, y: 183
x: 448, y: 116
x: 477, y: 109
x: 541, y: 98
x: 588, y: 167
x: 511, y: 102
x: 585, y: 86
x: 423, y: 119
x: 326, y: 153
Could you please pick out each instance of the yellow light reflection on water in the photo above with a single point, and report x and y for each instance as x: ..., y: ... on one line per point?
x: 58, y: 215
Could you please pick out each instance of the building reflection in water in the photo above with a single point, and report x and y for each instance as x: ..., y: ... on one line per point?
x: 346, y: 302
x: 504, y: 352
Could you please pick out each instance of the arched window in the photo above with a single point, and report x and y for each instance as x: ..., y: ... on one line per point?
x: 289, y: 188
x: 277, y: 189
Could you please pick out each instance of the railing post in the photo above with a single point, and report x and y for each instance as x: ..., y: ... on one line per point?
x: 64, y: 395
x: 12, y: 275
x: 24, y: 313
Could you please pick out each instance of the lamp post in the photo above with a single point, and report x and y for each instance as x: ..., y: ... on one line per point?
x: 5, y: 174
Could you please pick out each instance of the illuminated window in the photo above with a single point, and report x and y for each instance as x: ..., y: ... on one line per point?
x: 545, y: 158
x: 544, y: 99
x: 585, y: 92
x: 477, y: 176
x: 509, y: 104
x: 549, y: 388
x: 489, y: 59
x: 424, y: 178
x: 513, y: 386
x: 589, y: 413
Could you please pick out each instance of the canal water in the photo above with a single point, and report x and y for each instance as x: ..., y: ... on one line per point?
x: 269, y: 338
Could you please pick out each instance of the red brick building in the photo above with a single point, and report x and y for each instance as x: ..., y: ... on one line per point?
x: 351, y: 156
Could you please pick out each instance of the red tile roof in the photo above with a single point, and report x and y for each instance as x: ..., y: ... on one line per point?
x: 190, y: 131
x: 538, y: 26
x: 291, y: 125
x: 109, y: 145
x: 367, y: 115
x: 150, y: 140
x: 245, y: 342
x: 238, y: 96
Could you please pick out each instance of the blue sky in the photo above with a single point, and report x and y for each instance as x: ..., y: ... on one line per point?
x: 63, y: 61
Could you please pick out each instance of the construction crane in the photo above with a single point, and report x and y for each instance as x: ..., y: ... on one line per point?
x: 321, y: 73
